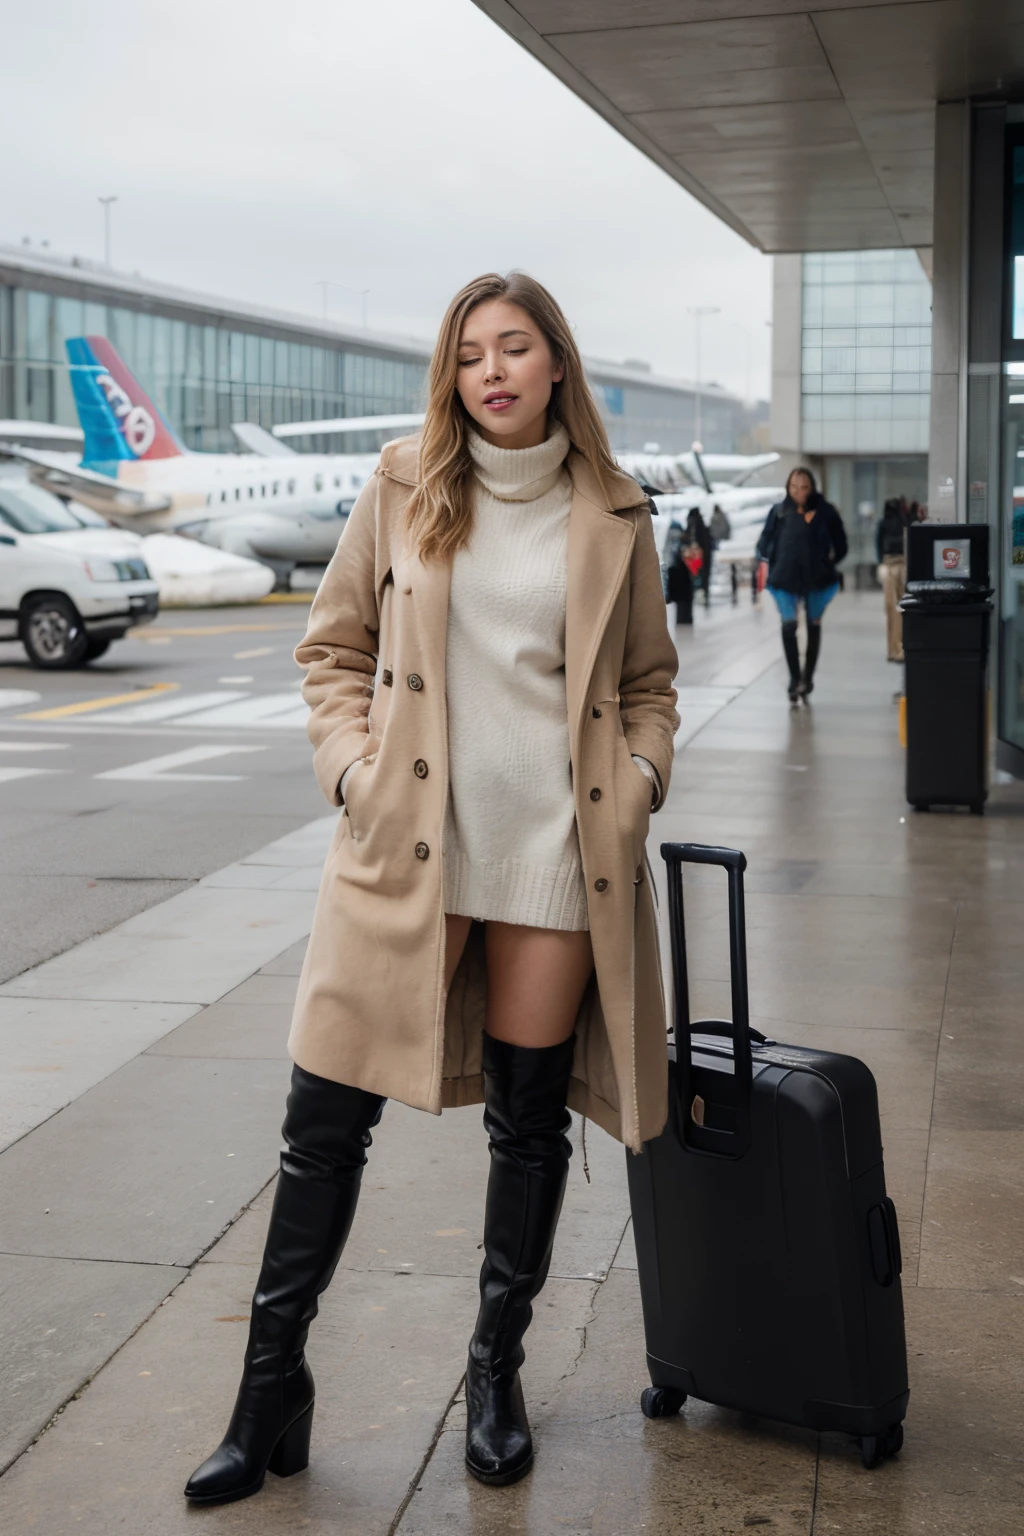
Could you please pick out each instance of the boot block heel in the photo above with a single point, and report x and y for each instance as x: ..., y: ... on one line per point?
x: 291, y: 1453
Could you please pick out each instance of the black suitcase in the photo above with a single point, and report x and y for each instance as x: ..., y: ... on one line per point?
x: 768, y: 1251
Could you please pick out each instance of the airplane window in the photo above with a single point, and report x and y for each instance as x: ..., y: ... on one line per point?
x: 337, y: 482
x: 238, y: 494
x: 318, y: 482
x: 291, y: 487
x: 251, y: 493
x: 223, y: 495
x: 263, y: 490
x: 273, y: 488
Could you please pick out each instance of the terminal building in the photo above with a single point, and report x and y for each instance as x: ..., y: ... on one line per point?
x: 851, y: 381
x: 867, y: 126
x: 208, y: 362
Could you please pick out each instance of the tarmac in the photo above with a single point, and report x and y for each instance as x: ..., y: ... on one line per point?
x: 143, y: 1077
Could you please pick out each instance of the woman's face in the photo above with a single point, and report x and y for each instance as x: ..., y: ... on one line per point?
x: 506, y: 373
x: 800, y: 489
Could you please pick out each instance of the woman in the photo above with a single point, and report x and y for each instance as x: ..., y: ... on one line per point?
x: 891, y: 549
x: 678, y: 578
x: 803, y: 541
x: 490, y: 680
x: 698, y: 537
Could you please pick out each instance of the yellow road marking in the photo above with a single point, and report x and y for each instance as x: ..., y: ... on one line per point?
x: 87, y: 706
x: 288, y: 597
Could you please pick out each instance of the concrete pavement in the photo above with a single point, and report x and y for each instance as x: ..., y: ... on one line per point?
x: 870, y: 930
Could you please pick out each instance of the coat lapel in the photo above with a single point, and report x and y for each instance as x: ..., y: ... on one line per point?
x: 599, y: 549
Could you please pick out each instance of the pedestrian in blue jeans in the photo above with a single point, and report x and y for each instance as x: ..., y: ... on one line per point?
x: 803, y: 541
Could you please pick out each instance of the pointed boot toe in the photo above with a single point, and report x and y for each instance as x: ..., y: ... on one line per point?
x: 499, y: 1446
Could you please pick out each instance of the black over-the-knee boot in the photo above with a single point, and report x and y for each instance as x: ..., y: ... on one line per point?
x: 792, y: 651
x: 811, y: 660
x: 326, y: 1131
x: 526, y: 1119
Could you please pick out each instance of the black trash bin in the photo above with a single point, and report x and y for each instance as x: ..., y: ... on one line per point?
x: 946, y: 617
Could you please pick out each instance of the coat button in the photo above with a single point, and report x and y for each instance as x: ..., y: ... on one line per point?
x: 595, y: 794
x: 422, y: 851
x: 420, y: 768
x: 415, y: 682
x: 597, y: 713
x: 600, y: 885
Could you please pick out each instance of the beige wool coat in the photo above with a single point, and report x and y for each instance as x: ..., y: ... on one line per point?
x: 371, y: 1009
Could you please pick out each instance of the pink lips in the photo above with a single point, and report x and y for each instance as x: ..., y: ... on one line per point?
x: 499, y: 402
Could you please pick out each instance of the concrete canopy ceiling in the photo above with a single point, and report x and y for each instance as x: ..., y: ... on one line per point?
x: 804, y: 129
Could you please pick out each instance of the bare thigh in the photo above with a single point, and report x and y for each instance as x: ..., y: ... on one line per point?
x: 536, y: 978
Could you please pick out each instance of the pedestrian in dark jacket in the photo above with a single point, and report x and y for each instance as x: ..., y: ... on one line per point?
x: 697, y: 533
x: 803, y: 541
x: 678, y: 581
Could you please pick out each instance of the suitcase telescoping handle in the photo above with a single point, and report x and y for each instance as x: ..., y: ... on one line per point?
x: 733, y: 1141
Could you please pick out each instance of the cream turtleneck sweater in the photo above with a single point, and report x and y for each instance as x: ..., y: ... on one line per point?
x: 511, y: 852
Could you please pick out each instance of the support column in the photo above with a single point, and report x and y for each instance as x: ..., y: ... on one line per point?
x: 947, y: 501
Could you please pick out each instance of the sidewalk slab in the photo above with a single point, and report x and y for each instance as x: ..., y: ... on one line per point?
x: 603, y: 1469
x: 53, y: 1051
x: 191, y: 949
x: 60, y: 1320
x: 148, y: 1167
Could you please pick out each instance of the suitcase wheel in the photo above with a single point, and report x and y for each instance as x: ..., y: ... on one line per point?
x: 661, y: 1402
x: 875, y: 1448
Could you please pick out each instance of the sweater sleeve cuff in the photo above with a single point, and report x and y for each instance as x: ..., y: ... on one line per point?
x: 652, y: 773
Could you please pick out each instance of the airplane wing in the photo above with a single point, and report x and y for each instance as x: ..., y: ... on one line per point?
x: 259, y: 440
x: 41, y: 434
x: 60, y: 473
x: 348, y: 424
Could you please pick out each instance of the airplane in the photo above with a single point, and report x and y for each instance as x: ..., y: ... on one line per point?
x: 681, y: 481
x: 272, y: 504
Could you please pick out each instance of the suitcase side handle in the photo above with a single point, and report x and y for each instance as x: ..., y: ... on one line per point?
x: 735, y: 1142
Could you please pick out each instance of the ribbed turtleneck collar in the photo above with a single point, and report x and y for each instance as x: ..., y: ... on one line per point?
x: 519, y: 474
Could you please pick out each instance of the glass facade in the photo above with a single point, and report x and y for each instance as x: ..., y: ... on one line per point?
x: 1008, y: 561
x: 206, y: 370
x: 866, y: 353
x: 203, y: 376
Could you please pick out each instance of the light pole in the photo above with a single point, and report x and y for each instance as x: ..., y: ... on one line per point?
x: 106, y: 201
x: 698, y: 311
x: 326, y: 283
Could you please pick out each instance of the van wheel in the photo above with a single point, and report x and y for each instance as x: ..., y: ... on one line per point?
x: 53, y: 633
x: 94, y: 649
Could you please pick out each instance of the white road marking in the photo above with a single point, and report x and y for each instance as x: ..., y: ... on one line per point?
x: 261, y: 650
x: 157, y: 770
x: 249, y: 679
x: 259, y: 709
x: 8, y: 775
x: 33, y: 746
x: 13, y: 698
x: 167, y: 709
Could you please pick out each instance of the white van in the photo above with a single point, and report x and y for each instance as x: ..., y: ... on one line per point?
x: 67, y: 588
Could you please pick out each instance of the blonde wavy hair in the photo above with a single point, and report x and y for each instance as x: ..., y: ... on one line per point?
x: 440, y: 511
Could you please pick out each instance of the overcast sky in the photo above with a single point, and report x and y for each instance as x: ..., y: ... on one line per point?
x: 403, y: 146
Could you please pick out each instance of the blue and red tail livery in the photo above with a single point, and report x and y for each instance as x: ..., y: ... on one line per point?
x: 119, y: 420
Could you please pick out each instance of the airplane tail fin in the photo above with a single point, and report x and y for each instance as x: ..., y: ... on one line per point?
x: 118, y: 418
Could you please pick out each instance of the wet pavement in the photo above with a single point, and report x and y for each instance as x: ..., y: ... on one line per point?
x: 144, y: 1087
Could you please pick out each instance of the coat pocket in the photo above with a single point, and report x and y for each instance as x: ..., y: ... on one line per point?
x: 358, y: 805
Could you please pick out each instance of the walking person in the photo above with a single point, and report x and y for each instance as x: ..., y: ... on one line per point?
x: 489, y: 673
x: 890, y: 547
x: 698, y: 537
x: 802, y: 541
x: 679, y: 578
